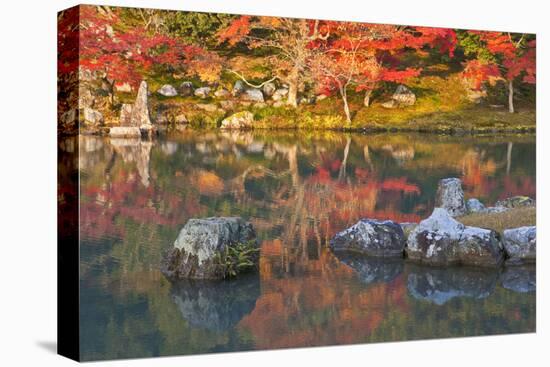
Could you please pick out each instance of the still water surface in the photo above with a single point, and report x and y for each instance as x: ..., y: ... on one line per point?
x: 298, y: 189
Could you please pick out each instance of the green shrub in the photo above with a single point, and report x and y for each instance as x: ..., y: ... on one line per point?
x: 237, y: 259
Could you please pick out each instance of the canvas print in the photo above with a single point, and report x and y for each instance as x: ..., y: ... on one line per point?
x: 234, y: 182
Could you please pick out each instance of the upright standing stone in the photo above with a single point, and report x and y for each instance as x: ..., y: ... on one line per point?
x: 451, y: 197
x: 140, y: 112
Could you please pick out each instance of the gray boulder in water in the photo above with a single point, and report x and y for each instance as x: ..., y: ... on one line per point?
x: 371, y: 237
x: 450, y: 196
x: 441, y: 240
x: 200, y: 244
x: 439, y: 286
x: 521, y: 279
x: 520, y: 245
x: 216, y: 306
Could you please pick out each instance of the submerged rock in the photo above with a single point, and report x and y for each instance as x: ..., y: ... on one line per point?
x: 239, y: 120
x: 200, y: 245
x: 450, y: 196
x: 372, y: 270
x: 520, y: 245
x: 516, y: 202
x: 439, y: 286
x: 441, y: 240
x: 216, y: 306
x: 520, y: 279
x: 371, y: 237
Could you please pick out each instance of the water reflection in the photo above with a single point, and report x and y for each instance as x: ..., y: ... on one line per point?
x: 216, y: 306
x: 372, y: 270
x: 298, y: 189
x: 520, y: 278
x: 440, y: 285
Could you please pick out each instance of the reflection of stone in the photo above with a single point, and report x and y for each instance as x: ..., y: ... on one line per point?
x: 521, y: 279
x: 135, y: 150
x: 372, y: 270
x: 216, y: 306
x: 441, y: 285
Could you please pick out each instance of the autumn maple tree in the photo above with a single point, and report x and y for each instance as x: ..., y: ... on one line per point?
x: 289, y: 39
x: 500, y: 55
x: 126, y: 56
x: 361, y: 56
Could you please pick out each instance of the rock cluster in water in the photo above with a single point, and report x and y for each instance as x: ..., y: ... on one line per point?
x: 441, y: 240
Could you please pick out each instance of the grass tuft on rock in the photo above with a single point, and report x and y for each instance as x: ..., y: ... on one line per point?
x: 237, y: 259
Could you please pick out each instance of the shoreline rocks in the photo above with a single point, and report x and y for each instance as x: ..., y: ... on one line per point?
x: 440, y: 240
x: 450, y: 196
x: 520, y: 245
x: 239, y: 120
x: 199, y: 251
x: 371, y: 237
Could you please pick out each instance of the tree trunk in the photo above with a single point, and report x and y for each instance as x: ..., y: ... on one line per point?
x: 366, y: 100
x: 292, y: 98
x: 510, y: 96
x: 344, y: 95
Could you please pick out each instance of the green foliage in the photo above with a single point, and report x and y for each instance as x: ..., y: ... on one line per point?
x: 472, y: 46
x: 239, y: 258
x: 197, y: 27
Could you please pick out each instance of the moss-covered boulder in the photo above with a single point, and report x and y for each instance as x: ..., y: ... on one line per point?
x: 239, y: 120
x: 212, y: 248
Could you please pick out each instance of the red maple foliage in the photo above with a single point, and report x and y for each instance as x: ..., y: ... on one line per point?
x: 363, y: 55
x: 512, y: 57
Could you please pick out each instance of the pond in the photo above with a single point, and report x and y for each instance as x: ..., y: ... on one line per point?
x: 298, y: 189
